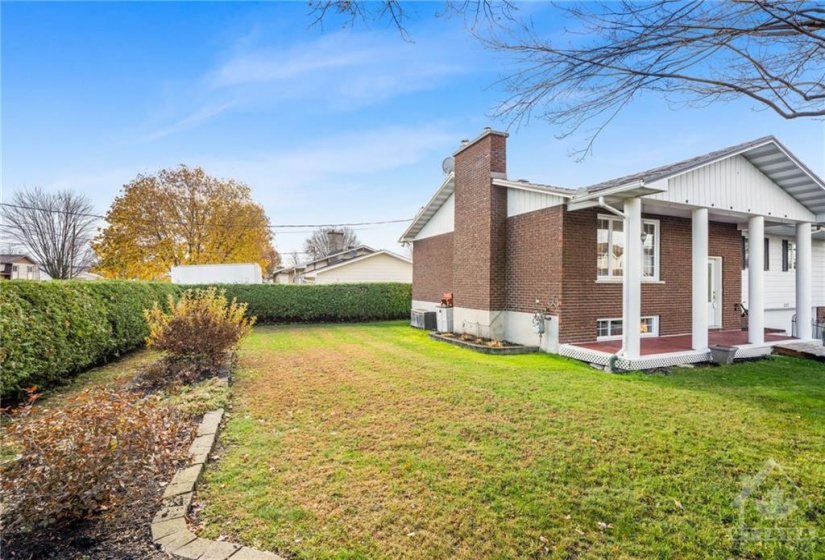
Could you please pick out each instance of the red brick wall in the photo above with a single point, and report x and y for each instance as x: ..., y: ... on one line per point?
x: 584, y: 301
x: 480, y: 241
x: 433, y: 267
x: 534, y: 259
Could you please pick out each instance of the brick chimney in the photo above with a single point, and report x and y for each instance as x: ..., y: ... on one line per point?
x: 335, y: 242
x: 480, y: 221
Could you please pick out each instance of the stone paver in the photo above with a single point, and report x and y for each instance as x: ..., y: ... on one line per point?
x: 247, y: 553
x: 170, y: 512
x: 219, y: 550
x: 211, y: 423
x: 170, y: 543
x: 194, y: 549
x: 177, y: 489
x: 182, y: 500
x: 189, y: 475
x: 167, y: 527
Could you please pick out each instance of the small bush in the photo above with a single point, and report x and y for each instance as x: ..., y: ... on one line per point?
x: 85, y: 456
x: 200, y: 327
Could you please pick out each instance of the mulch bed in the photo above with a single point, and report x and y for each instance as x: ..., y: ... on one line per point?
x: 119, y: 533
x: 122, y: 534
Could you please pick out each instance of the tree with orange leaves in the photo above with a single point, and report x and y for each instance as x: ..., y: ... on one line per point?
x: 182, y: 216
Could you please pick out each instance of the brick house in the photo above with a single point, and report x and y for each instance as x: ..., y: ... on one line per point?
x: 664, y: 249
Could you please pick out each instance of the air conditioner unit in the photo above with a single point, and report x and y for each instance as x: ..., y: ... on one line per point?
x: 423, y: 319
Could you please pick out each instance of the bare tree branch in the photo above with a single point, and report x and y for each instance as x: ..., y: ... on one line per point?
x: 690, y: 52
x: 319, y: 244
x: 55, y: 228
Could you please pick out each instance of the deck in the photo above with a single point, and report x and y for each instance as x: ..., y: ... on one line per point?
x: 665, y: 351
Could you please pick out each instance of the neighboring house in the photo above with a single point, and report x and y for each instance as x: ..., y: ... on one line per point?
x: 355, y: 264
x: 514, y: 252
x: 18, y: 267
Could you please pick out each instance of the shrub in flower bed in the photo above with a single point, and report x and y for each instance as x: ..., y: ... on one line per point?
x: 85, y: 456
x: 199, y: 329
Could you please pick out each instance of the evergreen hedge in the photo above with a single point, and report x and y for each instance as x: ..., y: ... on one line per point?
x: 323, y: 303
x: 52, y: 330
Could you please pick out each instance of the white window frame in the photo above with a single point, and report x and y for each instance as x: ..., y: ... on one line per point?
x: 656, y: 245
x: 654, y: 331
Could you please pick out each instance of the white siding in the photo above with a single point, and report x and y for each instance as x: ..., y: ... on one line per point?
x: 780, y: 287
x: 734, y: 184
x: 380, y: 268
x: 522, y: 202
x: 818, y: 272
x: 443, y: 221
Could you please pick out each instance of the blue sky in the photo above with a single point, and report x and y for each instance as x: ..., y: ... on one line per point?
x: 326, y: 125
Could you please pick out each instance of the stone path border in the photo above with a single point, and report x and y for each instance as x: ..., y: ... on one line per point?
x: 169, y: 529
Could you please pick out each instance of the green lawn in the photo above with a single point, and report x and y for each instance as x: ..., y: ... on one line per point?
x: 371, y: 441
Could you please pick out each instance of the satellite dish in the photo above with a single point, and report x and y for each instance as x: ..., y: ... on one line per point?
x: 448, y: 165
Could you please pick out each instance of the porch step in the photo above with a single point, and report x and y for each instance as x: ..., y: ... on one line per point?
x: 805, y: 350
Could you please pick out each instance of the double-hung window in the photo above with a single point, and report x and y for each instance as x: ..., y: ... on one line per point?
x: 611, y: 241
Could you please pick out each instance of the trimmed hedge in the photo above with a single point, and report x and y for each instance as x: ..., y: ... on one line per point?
x: 322, y: 303
x: 51, y: 330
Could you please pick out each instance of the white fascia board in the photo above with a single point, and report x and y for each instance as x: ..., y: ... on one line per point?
x: 428, y: 210
x: 533, y: 188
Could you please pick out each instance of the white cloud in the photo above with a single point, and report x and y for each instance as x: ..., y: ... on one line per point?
x: 200, y: 116
x: 337, y: 72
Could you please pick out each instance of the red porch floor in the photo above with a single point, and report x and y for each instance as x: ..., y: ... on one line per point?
x: 682, y: 342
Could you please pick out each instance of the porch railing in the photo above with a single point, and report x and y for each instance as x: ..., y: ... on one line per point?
x: 817, y: 329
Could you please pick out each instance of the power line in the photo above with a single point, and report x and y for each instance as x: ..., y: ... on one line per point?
x: 162, y: 222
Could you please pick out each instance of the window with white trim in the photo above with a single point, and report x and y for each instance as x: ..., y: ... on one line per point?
x: 610, y: 248
x: 611, y: 329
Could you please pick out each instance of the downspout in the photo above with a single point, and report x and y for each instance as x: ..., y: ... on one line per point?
x: 611, y: 361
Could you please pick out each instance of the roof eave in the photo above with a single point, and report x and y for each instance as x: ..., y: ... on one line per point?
x: 428, y: 210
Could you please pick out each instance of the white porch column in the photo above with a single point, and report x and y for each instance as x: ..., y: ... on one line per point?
x: 700, y: 279
x: 756, y: 280
x: 803, y: 280
x: 632, y: 313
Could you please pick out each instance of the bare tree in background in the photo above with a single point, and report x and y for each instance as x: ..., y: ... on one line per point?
x: 690, y: 53
x: 55, y: 228
x: 323, y: 241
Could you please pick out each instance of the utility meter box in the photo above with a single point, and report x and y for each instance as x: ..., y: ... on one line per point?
x: 444, y: 318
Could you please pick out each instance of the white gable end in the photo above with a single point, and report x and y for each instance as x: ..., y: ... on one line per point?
x: 443, y: 221
x: 734, y: 184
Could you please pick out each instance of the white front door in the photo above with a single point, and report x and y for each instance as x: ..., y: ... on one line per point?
x: 714, y: 292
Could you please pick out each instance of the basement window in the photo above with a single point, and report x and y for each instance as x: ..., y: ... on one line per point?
x: 612, y: 329
x: 610, y: 248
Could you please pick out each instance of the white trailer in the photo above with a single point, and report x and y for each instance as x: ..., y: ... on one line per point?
x: 244, y: 273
